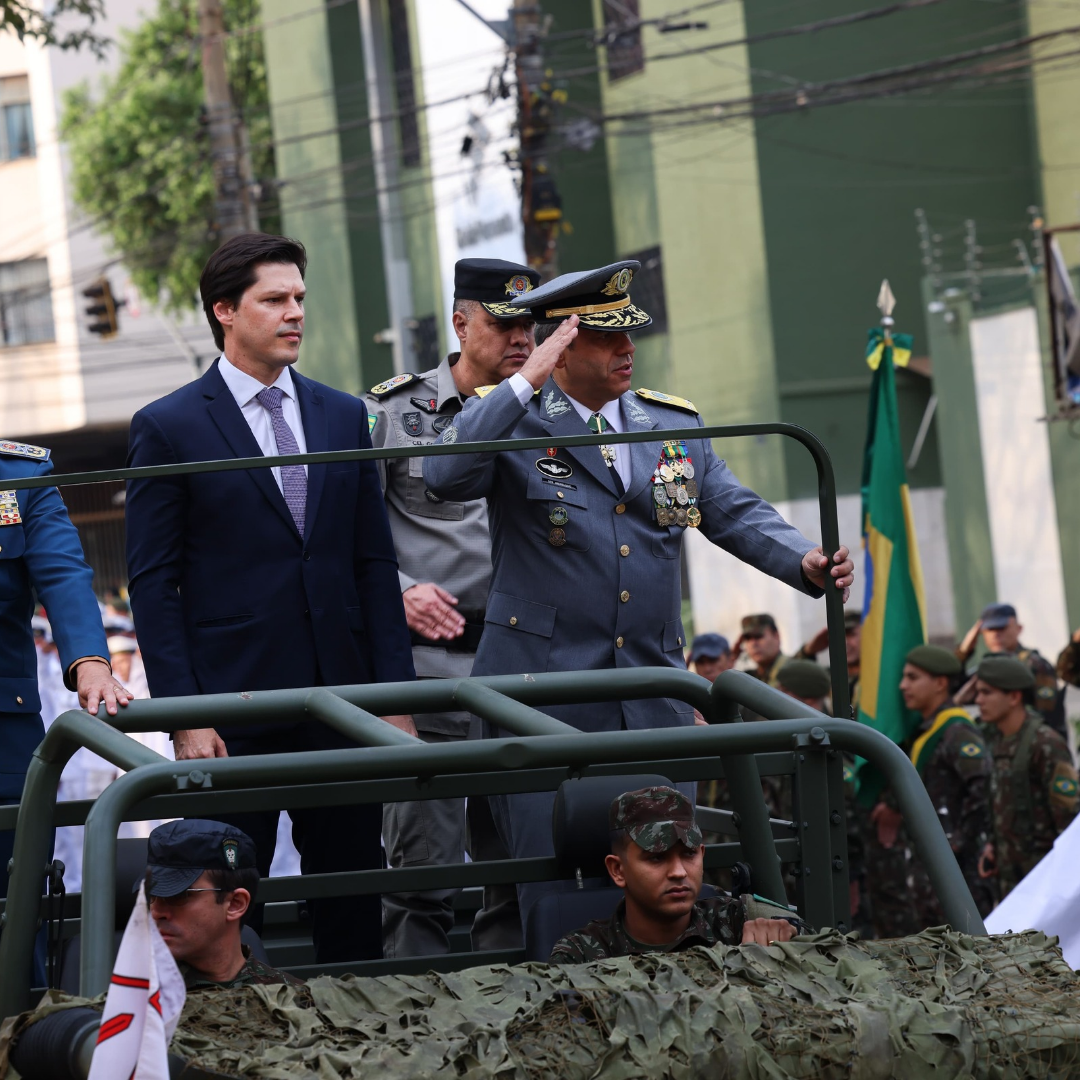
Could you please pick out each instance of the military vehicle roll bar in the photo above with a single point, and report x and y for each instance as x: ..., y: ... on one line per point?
x: 538, y: 754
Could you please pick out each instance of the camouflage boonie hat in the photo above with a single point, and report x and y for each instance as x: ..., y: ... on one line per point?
x: 655, y: 818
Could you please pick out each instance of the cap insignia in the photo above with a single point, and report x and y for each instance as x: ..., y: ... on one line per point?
x: 619, y: 282
x: 230, y: 849
x: 518, y: 285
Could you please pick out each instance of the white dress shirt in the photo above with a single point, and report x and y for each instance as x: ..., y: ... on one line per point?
x: 245, y: 389
x: 611, y: 412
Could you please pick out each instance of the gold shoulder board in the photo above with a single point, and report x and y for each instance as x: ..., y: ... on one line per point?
x: 483, y: 391
x: 396, y: 383
x: 26, y: 450
x: 667, y: 399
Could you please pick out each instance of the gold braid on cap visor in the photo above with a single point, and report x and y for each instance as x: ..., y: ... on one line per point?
x: 588, y: 309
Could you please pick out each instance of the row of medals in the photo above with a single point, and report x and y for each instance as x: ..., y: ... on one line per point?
x: 675, y: 490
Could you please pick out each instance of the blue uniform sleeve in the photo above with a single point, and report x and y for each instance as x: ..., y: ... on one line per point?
x: 462, y: 477
x: 741, y: 522
x: 61, y: 576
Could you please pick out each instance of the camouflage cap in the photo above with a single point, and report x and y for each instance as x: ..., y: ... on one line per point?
x: 1005, y: 672
x: 758, y: 624
x: 934, y: 660
x: 655, y: 818
x: 806, y: 678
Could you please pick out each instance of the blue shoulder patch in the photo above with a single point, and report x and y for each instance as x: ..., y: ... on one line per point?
x: 24, y: 450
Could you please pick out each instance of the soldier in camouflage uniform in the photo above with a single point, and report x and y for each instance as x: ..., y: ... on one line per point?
x: 950, y: 755
x: 201, y: 878
x: 1034, y: 780
x: 1001, y: 634
x: 760, y: 640
x: 657, y: 855
x: 1068, y: 662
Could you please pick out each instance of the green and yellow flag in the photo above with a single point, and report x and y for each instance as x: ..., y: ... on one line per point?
x: 894, y: 609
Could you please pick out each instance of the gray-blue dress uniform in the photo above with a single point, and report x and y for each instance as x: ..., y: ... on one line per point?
x: 603, y: 591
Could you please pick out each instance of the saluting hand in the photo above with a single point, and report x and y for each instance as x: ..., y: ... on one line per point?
x: 541, y: 363
x: 816, y: 568
x: 430, y: 612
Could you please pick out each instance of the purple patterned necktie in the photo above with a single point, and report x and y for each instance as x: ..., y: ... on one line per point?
x: 293, y: 477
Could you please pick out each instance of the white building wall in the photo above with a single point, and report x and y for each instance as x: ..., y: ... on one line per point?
x: 77, y: 380
x: 723, y: 589
x: 1007, y: 364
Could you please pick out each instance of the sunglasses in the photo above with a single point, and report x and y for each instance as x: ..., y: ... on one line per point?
x: 180, y: 899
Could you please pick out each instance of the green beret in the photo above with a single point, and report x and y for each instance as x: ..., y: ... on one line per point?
x: 805, y: 678
x: 1006, y: 672
x: 934, y: 660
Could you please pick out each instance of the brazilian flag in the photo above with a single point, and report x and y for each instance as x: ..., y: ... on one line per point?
x: 894, y: 609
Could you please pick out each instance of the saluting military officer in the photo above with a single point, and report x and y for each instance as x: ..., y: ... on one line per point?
x: 586, y: 541
x: 444, y: 565
x: 40, y: 553
x: 1034, y: 780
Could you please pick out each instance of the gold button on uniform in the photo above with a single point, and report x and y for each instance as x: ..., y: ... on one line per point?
x: 679, y: 640
x: 621, y: 508
x: 558, y: 494
x: 18, y: 701
x: 624, y: 596
x: 625, y: 549
x: 619, y: 642
x: 513, y: 620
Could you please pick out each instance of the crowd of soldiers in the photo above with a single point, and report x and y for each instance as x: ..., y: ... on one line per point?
x: 1003, y: 781
x: 450, y: 565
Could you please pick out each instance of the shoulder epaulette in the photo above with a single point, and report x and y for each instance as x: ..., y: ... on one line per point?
x: 391, y: 385
x: 26, y: 450
x: 483, y: 391
x: 667, y: 399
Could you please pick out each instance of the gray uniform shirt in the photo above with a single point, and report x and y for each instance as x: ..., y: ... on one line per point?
x: 603, y: 591
x: 444, y: 541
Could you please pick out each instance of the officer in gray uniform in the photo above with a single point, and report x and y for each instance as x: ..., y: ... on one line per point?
x: 586, y: 540
x: 444, y: 561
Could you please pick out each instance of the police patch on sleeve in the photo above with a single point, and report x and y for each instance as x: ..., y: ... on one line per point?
x: 372, y: 420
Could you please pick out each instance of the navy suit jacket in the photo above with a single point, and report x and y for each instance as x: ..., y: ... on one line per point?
x: 226, y: 594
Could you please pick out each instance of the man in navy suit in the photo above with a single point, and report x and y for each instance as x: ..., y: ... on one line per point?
x: 264, y: 579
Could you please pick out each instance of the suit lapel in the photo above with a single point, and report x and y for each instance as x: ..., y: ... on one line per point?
x: 643, y: 455
x: 230, y: 421
x: 316, y: 434
x: 561, y: 417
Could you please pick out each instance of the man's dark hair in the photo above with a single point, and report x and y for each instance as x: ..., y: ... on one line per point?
x: 231, y: 880
x: 233, y: 268
x: 543, y: 331
x: 620, y: 841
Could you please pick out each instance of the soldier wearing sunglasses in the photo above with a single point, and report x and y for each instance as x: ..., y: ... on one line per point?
x: 201, y: 880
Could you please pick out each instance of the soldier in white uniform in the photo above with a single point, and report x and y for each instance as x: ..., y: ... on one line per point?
x: 586, y: 540
x: 444, y: 561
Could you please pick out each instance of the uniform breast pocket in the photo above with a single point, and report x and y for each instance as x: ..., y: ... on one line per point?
x: 558, y: 514
x: 423, y: 502
x: 667, y: 542
x: 12, y: 571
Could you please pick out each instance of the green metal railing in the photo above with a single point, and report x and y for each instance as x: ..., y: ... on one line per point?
x: 540, y: 754
x: 391, y: 766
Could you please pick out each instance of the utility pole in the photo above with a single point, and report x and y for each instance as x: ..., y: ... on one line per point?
x: 234, y: 207
x: 541, y: 205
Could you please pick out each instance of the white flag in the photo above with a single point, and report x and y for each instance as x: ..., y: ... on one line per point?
x: 1048, y: 899
x: 145, y: 999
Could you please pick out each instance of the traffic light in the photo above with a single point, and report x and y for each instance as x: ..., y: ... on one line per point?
x: 102, y: 309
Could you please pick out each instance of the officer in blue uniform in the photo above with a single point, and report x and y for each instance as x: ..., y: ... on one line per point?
x: 40, y: 554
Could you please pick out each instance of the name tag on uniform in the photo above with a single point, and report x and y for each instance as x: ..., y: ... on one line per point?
x: 9, y: 509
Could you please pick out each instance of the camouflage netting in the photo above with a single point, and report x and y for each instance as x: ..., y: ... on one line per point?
x: 941, y: 1004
